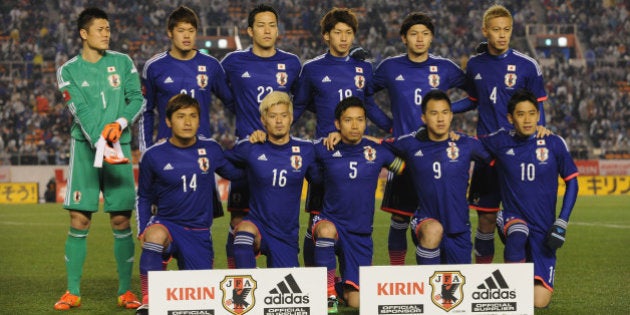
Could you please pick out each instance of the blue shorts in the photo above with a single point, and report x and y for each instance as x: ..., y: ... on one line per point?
x: 191, y: 247
x: 537, y: 252
x: 238, y: 197
x: 484, y: 194
x: 400, y: 196
x: 314, y: 198
x: 353, y: 250
x: 455, y: 248
x: 280, y: 252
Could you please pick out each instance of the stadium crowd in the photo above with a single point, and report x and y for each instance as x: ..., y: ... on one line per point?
x: 588, y: 102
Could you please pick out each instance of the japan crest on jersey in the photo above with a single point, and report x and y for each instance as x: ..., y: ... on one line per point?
x: 369, y: 153
x: 296, y: 162
x: 114, y: 80
x: 510, y: 79
x: 452, y: 151
x: 434, y: 80
x: 204, y: 164
x: 238, y: 294
x: 359, y: 81
x: 282, y: 78
x: 202, y: 80
x: 542, y: 154
x: 447, y: 289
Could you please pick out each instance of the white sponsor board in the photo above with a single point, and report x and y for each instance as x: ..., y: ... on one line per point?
x: 480, y: 289
x: 278, y: 291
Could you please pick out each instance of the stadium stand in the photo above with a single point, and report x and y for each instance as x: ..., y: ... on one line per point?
x: 588, y: 101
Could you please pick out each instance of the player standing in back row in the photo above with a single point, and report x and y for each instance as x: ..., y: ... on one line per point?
x: 493, y: 76
x: 102, y: 91
x: 181, y: 70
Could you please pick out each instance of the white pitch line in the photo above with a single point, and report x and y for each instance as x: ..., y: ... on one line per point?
x: 613, y: 226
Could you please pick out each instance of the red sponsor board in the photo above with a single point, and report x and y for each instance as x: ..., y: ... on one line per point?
x: 588, y: 167
x: 614, y: 167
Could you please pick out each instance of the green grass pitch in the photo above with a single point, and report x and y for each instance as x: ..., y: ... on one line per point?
x: 593, y: 266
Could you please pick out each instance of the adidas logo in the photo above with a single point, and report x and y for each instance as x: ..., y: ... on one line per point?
x: 84, y: 84
x: 418, y: 153
x: 287, y: 292
x: 326, y: 79
x: 168, y: 167
x: 337, y: 154
x: 262, y: 157
x: 510, y: 152
x: 400, y: 78
x: 168, y: 80
x: 246, y: 75
x: 478, y: 76
x: 494, y: 287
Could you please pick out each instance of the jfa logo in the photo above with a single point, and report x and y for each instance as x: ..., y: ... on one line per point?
x: 238, y: 294
x: 447, y: 289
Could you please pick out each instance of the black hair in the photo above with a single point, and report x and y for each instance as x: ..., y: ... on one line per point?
x: 346, y: 103
x: 182, y: 14
x: 87, y: 16
x: 414, y: 18
x: 260, y: 9
x: 521, y: 95
x: 434, y: 95
x: 178, y: 102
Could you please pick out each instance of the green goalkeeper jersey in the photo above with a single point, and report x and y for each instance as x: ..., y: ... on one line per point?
x: 99, y: 93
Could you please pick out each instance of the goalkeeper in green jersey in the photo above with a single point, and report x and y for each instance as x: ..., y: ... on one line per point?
x: 102, y: 91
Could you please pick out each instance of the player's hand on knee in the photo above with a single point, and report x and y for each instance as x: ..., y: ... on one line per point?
x: 556, y: 234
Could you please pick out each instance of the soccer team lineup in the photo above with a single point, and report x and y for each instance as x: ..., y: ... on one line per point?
x: 508, y: 173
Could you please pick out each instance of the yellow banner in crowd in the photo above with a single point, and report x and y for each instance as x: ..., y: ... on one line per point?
x: 600, y: 185
x: 19, y: 193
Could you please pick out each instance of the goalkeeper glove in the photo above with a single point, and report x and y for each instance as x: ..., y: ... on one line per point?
x: 482, y: 47
x: 359, y: 53
x: 556, y: 234
x: 112, y: 132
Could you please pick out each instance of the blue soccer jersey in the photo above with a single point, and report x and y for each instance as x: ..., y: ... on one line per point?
x: 275, y: 174
x: 252, y: 77
x: 493, y: 79
x: 164, y: 76
x: 326, y: 80
x: 440, y: 172
x: 180, y: 182
x: 528, y: 170
x: 407, y: 82
x: 350, y: 175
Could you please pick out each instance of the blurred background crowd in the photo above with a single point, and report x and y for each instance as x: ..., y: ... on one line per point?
x: 589, y: 88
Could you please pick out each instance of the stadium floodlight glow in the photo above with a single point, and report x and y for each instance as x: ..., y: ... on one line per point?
x: 562, y: 41
x: 223, y: 43
x: 208, y: 44
x: 548, y: 42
